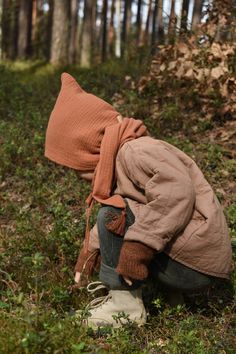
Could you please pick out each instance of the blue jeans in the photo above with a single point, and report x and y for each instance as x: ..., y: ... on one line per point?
x: 162, y: 269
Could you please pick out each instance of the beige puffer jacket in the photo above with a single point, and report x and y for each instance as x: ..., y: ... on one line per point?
x: 175, y: 208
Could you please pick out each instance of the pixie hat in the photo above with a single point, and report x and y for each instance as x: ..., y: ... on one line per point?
x: 76, y: 126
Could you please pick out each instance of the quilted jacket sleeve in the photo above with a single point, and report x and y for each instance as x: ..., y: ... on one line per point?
x: 169, y: 192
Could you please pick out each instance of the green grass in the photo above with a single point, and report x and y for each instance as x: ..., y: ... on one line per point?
x: 42, y: 219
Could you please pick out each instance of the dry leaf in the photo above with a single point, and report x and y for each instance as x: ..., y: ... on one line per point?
x: 216, y: 50
x: 172, y: 65
x: 162, y: 67
x: 182, y: 48
x: 189, y: 74
x: 217, y: 72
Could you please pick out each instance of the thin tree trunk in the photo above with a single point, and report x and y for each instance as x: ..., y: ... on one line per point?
x: 73, y: 30
x: 172, y: 22
x: 184, y: 15
x: 48, y: 36
x: 197, y: 13
x: 118, y: 29
x: 139, y: 23
x: 24, y: 28
x: 126, y: 24
x: 154, y: 25
x: 87, y: 34
x: 60, y: 33
x: 160, y: 24
x: 104, y: 31
x: 146, y: 33
x: 39, y: 28
x: 1, y: 18
x: 111, y: 31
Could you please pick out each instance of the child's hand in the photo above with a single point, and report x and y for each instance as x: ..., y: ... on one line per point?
x: 128, y: 281
x: 77, y: 277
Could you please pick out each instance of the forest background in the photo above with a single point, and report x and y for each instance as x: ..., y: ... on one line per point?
x: 172, y: 64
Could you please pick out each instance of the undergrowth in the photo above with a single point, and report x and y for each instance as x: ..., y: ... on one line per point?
x: 42, y: 209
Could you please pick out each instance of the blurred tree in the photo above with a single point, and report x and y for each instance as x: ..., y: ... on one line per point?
x: 24, y: 28
x: 126, y: 25
x: 87, y: 33
x: 1, y: 5
x: 48, y: 27
x: 39, y: 29
x: 184, y: 15
x: 73, y: 30
x: 157, y: 25
x: 148, y: 20
x: 197, y: 13
x: 60, y: 32
x: 118, y: 29
x: 172, y: 22
x: 160, y: 24
x: 111, y: 30
x: 139, y: 23
x: 9, y: 29
x: 104, y: 30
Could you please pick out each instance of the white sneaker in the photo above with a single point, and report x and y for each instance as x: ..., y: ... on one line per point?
x: 116, y: 308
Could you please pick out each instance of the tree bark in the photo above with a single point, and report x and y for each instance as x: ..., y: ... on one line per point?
x: 126, y: 24
x: 48, y: 34
x: 154, y: 25
x: 60, y: 33
x: 160, y: 24
x: 104, y: 30
x: 184, y: 15
x: 172, y: 22
x: 146, y: 33
x: 111, y: 31
x: 87, y: 33
x: 73, y: 31
x: 139, y: 23
x: 1, y: 20
x: 118, y: 29
x: 24, y: 28
x: 197, y: 13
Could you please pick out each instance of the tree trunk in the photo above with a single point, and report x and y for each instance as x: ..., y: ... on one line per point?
x: 24, y: 28
x: 139, y: 23
x: 38, y: 29
x: 160, y: 24
x: 184, y: 15
x: 1, y: 19
x: 87, y: 33
x: 10, y: 28
x: 172, y: 22
x: 111, y: 31
x: 48, y: 32
x: 73, y: 31
x: 146, y: 33
x: 126, y: 24
x: 104, y: 30
x: 60, y: 33
x: 154, y: 25
x: 197, y: 13
x: 118, y: 29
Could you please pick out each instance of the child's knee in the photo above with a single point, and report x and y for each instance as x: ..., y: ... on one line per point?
x: 106, y: 214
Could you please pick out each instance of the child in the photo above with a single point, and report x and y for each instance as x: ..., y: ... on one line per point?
x: 159, y: 217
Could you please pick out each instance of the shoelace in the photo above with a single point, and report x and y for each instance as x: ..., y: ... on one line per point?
x: 92, y: 288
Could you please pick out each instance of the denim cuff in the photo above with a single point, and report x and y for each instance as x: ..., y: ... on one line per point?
x: 113, y: 280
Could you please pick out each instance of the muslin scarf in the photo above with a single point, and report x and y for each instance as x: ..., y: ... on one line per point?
x: 84, y: 133
x: 114, y: 138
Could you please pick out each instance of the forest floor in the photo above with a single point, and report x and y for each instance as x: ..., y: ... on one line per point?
x: 42, y: 223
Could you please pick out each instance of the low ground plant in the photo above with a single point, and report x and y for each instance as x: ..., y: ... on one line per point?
x: 42, y: 217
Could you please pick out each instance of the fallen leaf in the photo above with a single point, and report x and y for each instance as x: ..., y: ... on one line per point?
x: 217, y: 72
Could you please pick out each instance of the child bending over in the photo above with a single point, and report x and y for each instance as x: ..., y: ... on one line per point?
x: 159, y: 217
